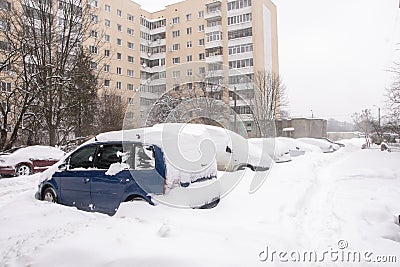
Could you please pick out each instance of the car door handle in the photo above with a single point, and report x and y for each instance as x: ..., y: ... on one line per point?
x: 86, y: 180
x: 124, y: 181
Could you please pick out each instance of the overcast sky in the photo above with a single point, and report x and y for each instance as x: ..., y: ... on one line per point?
x: 333, y: 55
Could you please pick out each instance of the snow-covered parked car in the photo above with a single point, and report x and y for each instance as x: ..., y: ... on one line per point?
x: 274, y: 147
x: 324, y: 145
x: 153, y: 164
x: 296, y: 147
x: 28, y: 160
x: 233, y: 152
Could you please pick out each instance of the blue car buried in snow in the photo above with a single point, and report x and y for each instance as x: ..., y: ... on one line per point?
x: 99, y: 175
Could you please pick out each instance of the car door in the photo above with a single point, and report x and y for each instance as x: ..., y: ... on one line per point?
x: 145, y: 171
x: 75, y: 180
x: 108, y: 184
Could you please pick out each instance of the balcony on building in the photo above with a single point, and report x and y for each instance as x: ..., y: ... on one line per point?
x: 213, y: 10
x: 214, y: 54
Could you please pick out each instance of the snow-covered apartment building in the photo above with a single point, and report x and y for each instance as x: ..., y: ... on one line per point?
x: 148, y: 53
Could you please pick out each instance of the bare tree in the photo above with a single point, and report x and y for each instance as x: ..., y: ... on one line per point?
x: 270, y: 98
x: 197, y: 99
x: 367, y: 125
x: 47, y: 38
x: 392, y: 95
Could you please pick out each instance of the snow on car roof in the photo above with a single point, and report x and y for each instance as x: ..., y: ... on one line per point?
x: 182, y: 147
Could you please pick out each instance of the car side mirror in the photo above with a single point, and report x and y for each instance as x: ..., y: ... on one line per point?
x: 228, y: 150
x: 62, y: 167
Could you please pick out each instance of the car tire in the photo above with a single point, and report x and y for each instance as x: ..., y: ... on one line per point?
x: 22, y: 169
x: 50, y: 195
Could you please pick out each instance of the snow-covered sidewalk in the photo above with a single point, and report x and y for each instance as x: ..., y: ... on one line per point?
x: 312, y: 203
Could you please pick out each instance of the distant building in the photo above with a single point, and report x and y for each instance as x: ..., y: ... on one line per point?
x: 301, y: 127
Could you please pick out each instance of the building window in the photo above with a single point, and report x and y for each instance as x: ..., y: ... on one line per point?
x: 106, y: 83
x: 240, y: 33
x: 107, y: 8
x: 240, y: 49
x: 94, y: 18
x: 176, y: 74
x: 130, y: 73
x: 175, y: 47
x: 188, y: 17
x: 93, y: 49
x: 201, y: 56
x: 201, y: 28
x: 242, y: 63
x: 238, y: 4
x: 119, y: 85
x: 119, y: 41
x: 130, y: 86
x: 214, y: 36
x: 189, y: 58
x: 175, y: 20
x: 93, y: 65
x: 107, y: 22
x: 189, y: 44
x: 119, y: 56
x: 131, y: 59
x: 107, y: 53
x: 239, y: 19
x: 176, y: 60
x: 107, y: 37
x: 119, y: 70
x: 162, y: 62
x: 131, y: 45
x: 6, y: 87
x: 130, y: 17
x: 189, y: 30
x: 119, y: 27
x: 189, y: 86
x: 202, y: 70
x: 107, y: 68
x: 175, y: 33
x: 189, y: 72
x: 93, y: 34
x: 94, y: 3
x: 119, y: 13
x: 130, y: 31
x: 201, y: 41
x: 201, y: 14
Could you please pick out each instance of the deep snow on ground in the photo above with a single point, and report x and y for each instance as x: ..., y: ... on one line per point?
x: 308, y: 204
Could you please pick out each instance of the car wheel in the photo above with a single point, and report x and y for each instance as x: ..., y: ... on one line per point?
x: 23, y: 169
x: 49, y: 195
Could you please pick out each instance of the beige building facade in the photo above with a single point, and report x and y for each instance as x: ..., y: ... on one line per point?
x: 151, y: 53
x: 192, y: 42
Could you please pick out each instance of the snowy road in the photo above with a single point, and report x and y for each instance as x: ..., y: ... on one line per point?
x: 309, y: 204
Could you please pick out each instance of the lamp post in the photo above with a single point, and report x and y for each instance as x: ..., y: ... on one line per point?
x: 379, y: 116
x: 234, y: 107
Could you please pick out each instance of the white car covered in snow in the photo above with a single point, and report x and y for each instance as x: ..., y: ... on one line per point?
x: 296, y: 147
x: 232, y: 151
x: 274, y: 147
x: 324, y: 145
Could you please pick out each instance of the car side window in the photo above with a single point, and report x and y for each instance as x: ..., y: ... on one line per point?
x: 109, y: 154
x: 83, y: 158
x: 144, y: 157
